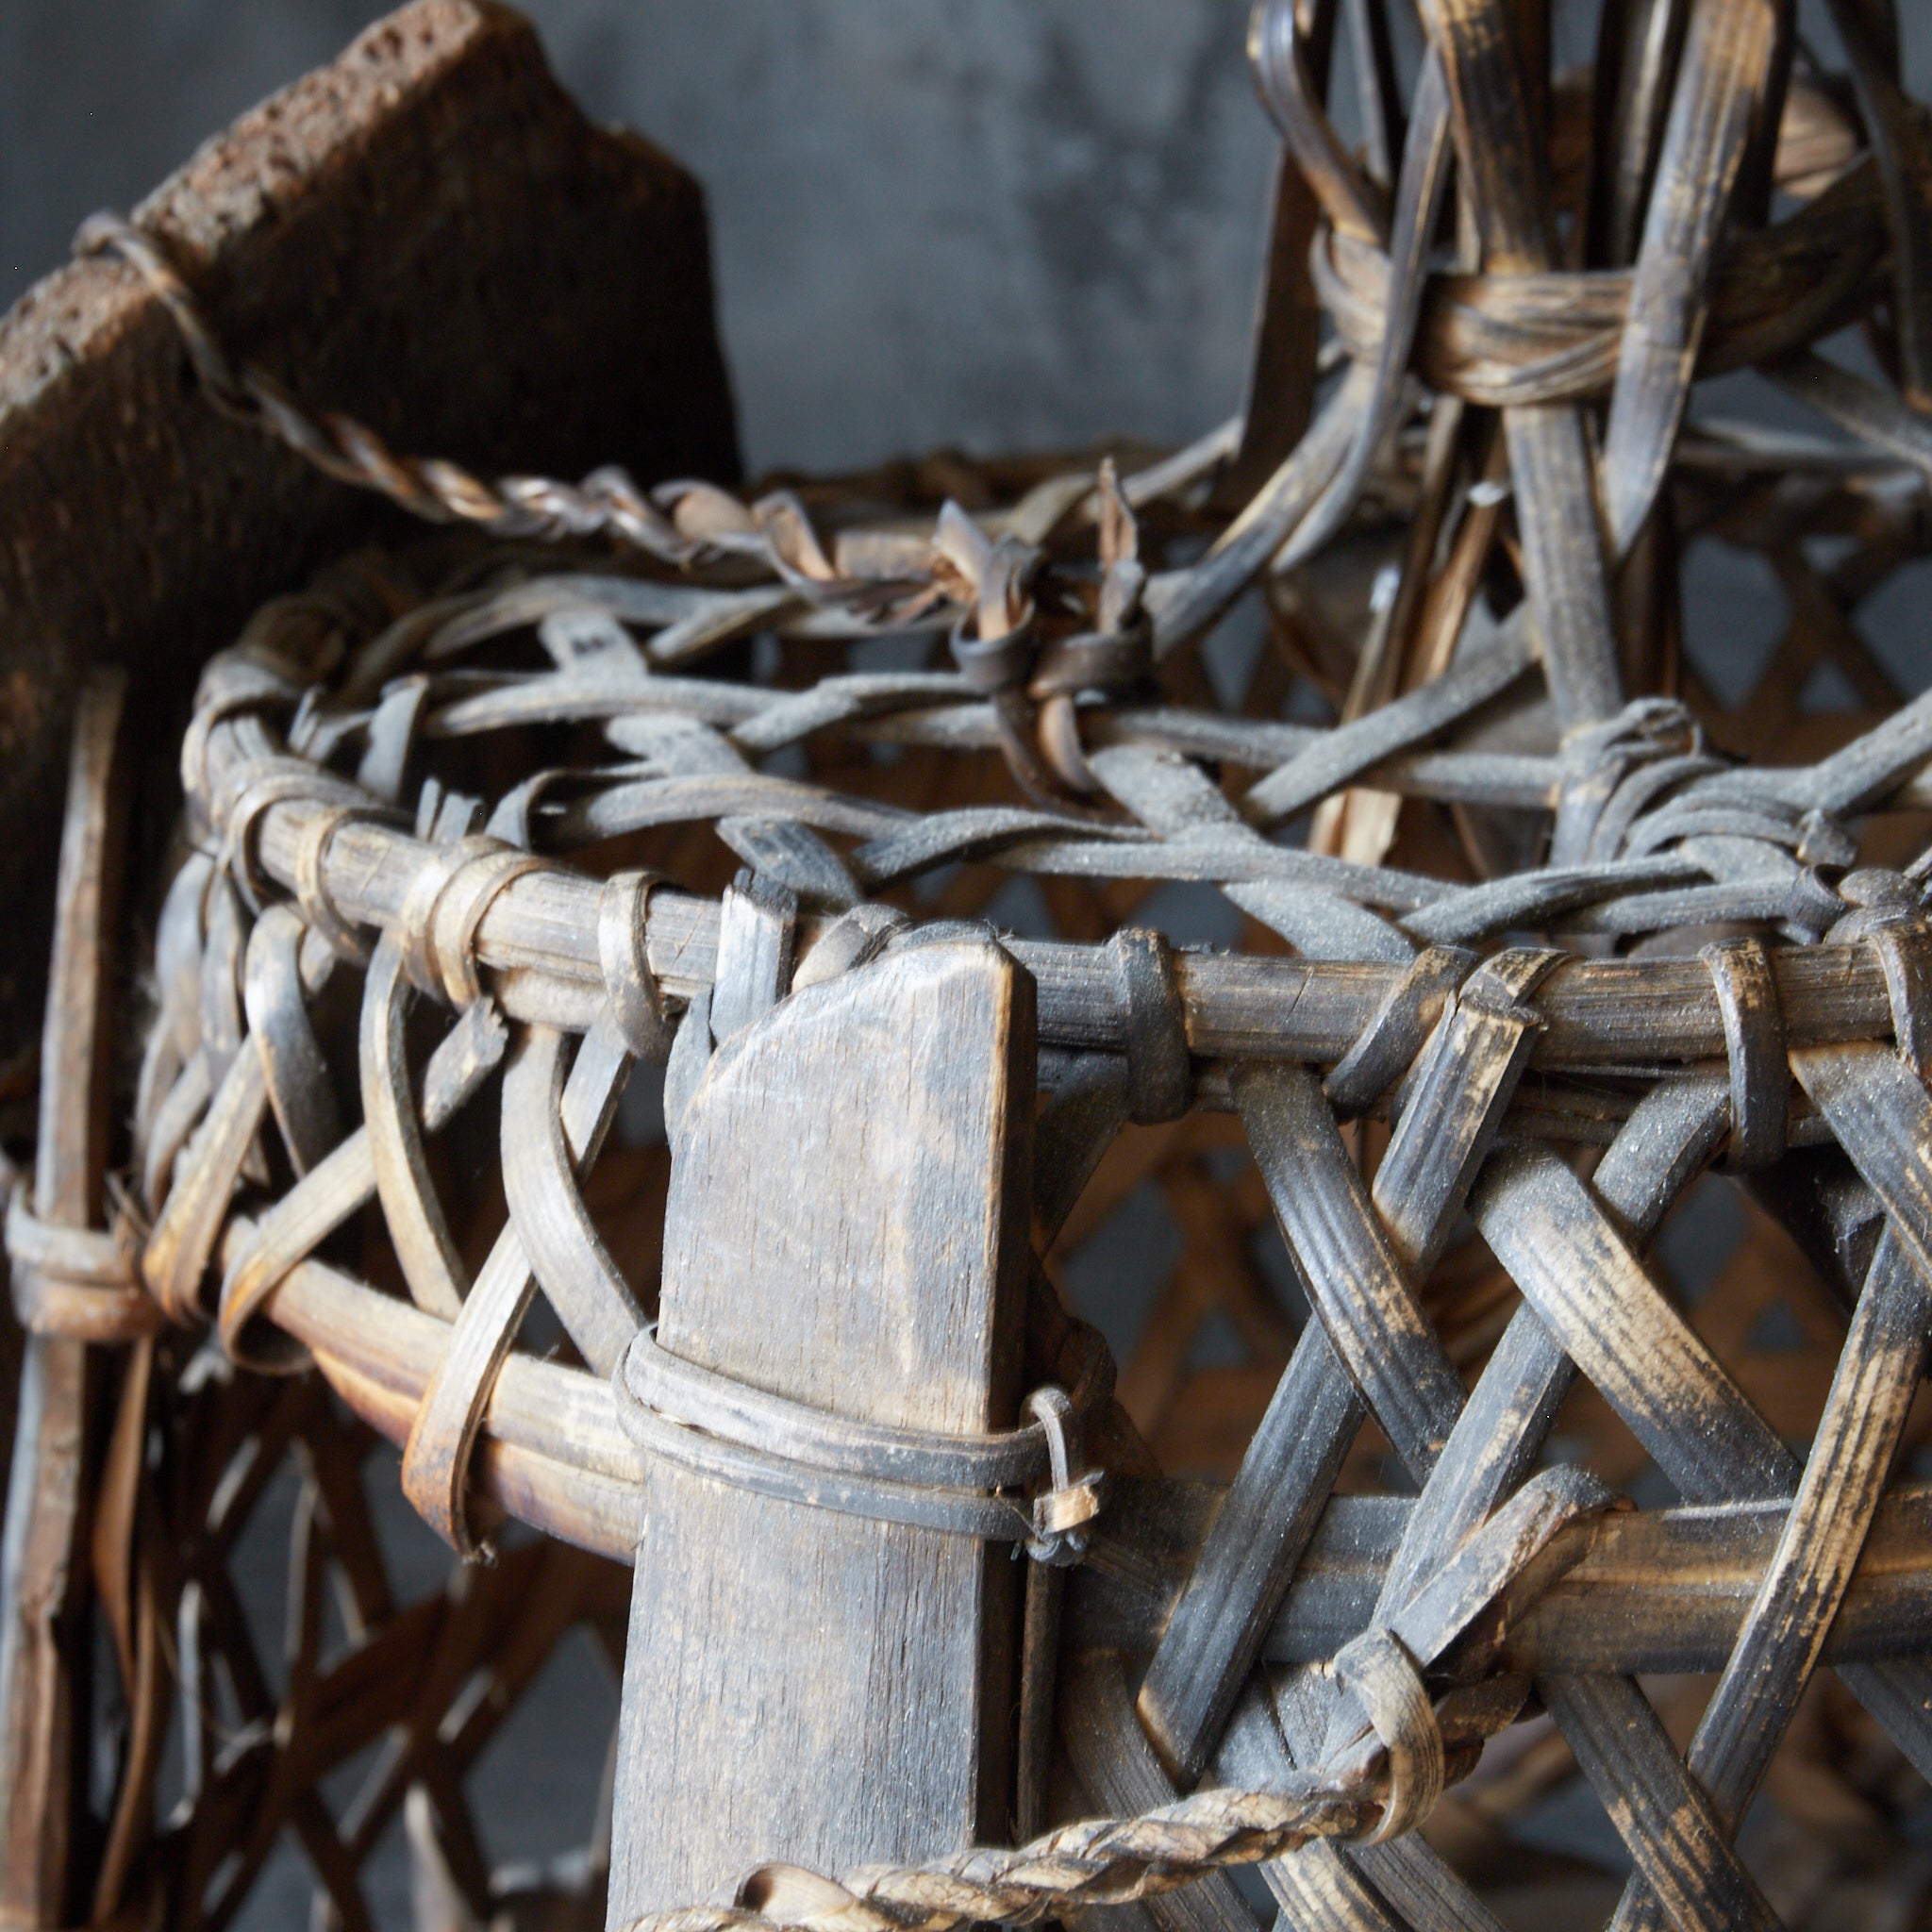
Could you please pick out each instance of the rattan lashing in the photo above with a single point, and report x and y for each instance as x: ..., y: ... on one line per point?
x: 1710, y: 963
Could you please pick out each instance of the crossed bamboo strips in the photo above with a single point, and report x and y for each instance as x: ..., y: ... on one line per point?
x: 1692, y: 957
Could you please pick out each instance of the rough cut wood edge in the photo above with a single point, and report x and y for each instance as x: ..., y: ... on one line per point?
x: 427, y: 233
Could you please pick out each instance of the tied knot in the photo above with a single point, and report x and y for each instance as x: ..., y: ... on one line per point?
x: 1075, y: 1492
x: 1654, y: 743
x: 1034, y: 643
x: 1378, y: 1668
x: 80, y: 1282
x: 1645, y: 728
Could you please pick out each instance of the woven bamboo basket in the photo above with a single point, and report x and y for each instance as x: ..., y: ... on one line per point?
x: 663, y: 1006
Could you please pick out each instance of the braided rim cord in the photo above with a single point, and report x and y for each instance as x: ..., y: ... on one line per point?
x: 606, y: 503
x: 1016, y: 633
x: 1104, y: 1861
x: 1098, y: 1861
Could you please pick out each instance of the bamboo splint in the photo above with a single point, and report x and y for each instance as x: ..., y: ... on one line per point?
x: 621, y: 789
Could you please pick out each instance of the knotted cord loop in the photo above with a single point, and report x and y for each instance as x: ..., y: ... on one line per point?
x: 749, y: 1437
x: 1755, y: 1044
x: 1383, y: 1676
x: 1073, y: 1500
x: 1652, y: 739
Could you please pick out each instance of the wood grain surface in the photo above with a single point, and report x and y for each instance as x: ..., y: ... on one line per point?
x: 867, y: 1146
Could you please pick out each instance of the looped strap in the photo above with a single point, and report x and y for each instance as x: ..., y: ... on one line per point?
x: 1403, y: 1022
x: 1383, y: 1676
x: 1755, y: 1043
x: 635, y: 1002
x: 264, y: 783
x: 755, y: 1439
x: 1901, y: 940
x: 1504, y: 980
x: 1160, y: 1076
x: 320, y: 912
x: 230, y: 686
x: 435, y: 925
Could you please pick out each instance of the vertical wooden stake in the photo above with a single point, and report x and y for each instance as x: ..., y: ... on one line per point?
x: 846, y: 1227
x: 44, y: 1643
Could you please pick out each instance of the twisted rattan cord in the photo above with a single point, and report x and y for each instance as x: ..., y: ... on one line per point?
x: 1392, y: 1765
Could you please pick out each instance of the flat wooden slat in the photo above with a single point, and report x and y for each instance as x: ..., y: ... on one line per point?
x: 1679, y: 1844
x: 846, y: 1226
x: 1463, y: 1082
x: 1347, y: 1264
x: 1222, y: 1617
x: 44, y: 1642
x: 1725, y: 70
x: 1615, y: 1323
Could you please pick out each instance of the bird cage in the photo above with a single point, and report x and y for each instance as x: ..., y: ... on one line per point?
x: 685, y: 1012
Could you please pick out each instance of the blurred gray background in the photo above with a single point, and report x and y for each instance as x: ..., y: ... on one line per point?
x: 997, y: 223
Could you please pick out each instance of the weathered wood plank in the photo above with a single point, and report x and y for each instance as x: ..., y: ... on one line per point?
x: 45, y: 1644
x: 846, y: 1227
